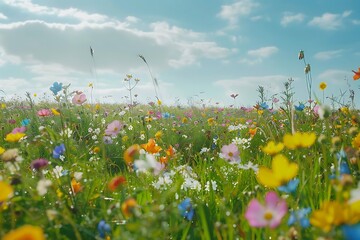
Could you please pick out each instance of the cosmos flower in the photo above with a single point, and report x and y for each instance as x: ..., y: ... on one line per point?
x: 186, y: 209
x: 151, y: 146
x: 79, y: 98
x: 28, y: 232
x: 113, y: 128
x: 231, y: 153
x: 44, y: 112
x: 268, y: 215
x: 281, y: 173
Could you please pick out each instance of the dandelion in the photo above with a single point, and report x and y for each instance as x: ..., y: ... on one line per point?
x: 186, y: 209
x: 6, y: 192
x: 268, y: 215
x: 27, y: 232
x: 282, y: 171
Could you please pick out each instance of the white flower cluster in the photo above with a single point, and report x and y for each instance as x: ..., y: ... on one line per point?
x: 243, y: 142
x: 213, y: 185
x: 237, y: 127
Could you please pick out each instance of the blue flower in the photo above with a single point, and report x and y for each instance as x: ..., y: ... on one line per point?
x: 343, y: 166
x: 300, y: 216
x: 186, y: 209
x: 58, y: 151
x: 351, y: 231
x: 25, y: 122
x: 56, y: 87
x: 290, y: 187
x: 103, y: 228
x: 300, y: 107
x: 264, y: 105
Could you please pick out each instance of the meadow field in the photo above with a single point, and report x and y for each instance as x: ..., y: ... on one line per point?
x: 73, y: 169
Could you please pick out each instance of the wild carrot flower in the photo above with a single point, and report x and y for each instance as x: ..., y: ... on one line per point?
x: 356, y: 74
x: 6, y: 192
x: 79, y: 98
x: 44, y: 112
x: 186, y: 209
x: 151, y: 146
x: 27, y: 232
x: 282, y: 171
x: 113, y: 128
x: 270, y: 214
x: 231, y: 153
x: 14, y: 137
x: 128, y: 207
x: 322, y: 86
x: 116, y: 182
x: 272, y: 149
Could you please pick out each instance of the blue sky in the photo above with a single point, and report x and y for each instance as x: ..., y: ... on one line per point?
x: 200, y: 51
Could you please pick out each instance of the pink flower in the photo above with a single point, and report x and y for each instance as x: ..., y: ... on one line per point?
x: 44, y: 112
x: 21, y: 129
x: 113, y: 128
x: 230, y: 152
x: 316, y: 109
x: 269, y: 214
x: 79, y: 98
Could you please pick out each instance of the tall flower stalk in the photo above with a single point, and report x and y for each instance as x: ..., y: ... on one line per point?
x: 308, y: 77
x: 130, y: 84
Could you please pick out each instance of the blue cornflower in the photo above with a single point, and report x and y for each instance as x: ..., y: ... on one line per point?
x: 290, y: 187
x: 103, y: 228
x: 56, y: 87
x: 264, y: 105
x: 300, y: 107
x: 343, y: 166
x: 186, y: 209
x: 300, y: 216
x: 58, y: 151
x: 165, y: 115
x: 351, y: 231
x: 25, y: 122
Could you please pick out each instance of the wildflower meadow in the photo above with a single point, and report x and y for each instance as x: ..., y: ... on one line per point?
x: 74, y: 168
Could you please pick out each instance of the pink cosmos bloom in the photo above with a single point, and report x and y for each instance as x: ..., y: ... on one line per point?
x: 21, y: 129
x: 316, y: 109
x: 230, y: 152
x: 44, y: 112
x: 113, y: 128
x: 269, y: 214
x: 79, y: 98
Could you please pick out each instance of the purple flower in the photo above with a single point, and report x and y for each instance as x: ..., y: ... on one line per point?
x: 186, y: 209
x: 113, y: 128
x: 58, y: 151
x: 21, y: 129
x: 230, y: 152
x: 267, y: 215
x: 39, y: 163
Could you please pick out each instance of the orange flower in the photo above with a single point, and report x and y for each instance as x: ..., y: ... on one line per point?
x: 252, y: 131
x: 170, y: 151
x: 130, y: 153
x: 128, y: 206
x: 164, y: 160
x: 115, y: 182
x: 151, y: 146
x: 27, y: 232
x: 76, y: 186
x: 356, y: 75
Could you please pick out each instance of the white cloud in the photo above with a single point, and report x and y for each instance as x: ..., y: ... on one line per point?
x: 7, y: 58
x: 326, y: 55
x: 233, y: 12
x: 356, y: 22
x: 2, y: 16
x: 258, y: 55
x: 334, y: 76
x: 289, y: 17
x: 27, y: 5
x: 329, y: 21
x: 259, y: 18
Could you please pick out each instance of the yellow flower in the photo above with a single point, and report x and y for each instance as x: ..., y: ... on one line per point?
x: 27, y: 232
x: 184, y: 120
x: 322, y: 86
x: 2, y: 150
x: 35, y: 95
x: 124, y: 138
x: 14, y: 137
x: 271, y: 148
x: 96, y: 150
x: 159, y: 102
x: 282, y: 171
x: 91, y: 85
x: 128, y: 206
x: 330, y: 214
x: 55, y: 112
x: 158, y: 135
x: 97, y: 107
x: 211, y: 121
x: 3, y: 106
x: 356, y: 141
x: 6, y: 191
x: 299, y: 140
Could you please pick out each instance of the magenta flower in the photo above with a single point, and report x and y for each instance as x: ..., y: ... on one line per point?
x: 21, y: 129
x: 44, y: 112
x: 269, y: 214
x: 113, y: 128
x: 39, y: 163
x: 79, y: 98
x: 230, y: 152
